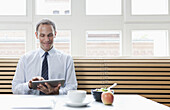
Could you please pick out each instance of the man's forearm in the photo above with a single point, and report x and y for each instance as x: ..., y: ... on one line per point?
x: 21, y: 88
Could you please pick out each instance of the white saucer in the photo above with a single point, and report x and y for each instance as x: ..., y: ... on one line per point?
x: 69, y: 103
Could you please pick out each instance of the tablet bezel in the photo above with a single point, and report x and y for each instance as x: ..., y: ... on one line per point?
x: 52, y: 82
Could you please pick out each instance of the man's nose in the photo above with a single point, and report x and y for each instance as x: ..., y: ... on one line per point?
x: 46, y: 38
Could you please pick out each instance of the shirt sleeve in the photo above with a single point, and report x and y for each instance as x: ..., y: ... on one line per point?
x: 70, y: 77
x: 19, y: 85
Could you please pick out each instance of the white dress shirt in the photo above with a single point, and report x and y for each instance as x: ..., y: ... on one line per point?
x: 30, y: 65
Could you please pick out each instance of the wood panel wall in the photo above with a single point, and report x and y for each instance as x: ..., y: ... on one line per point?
x: 147, y: 77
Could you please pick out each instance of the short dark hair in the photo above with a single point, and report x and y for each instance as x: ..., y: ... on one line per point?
x: 45, y: 21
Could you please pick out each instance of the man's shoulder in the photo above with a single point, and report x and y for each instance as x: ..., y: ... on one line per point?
x: 61, y: 54
x: 30, y: 54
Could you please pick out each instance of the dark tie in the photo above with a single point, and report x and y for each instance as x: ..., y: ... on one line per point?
x: 44, y: 72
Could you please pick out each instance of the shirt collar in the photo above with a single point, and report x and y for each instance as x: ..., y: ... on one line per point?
x: 50, y: 52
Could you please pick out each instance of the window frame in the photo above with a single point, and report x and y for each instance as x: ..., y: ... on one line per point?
x: 27, y: 28
x: 35, y: 13
x: 19, y: 18
x: 120, y: 39
x: 106, y: 14
x: 131, y: 27
x: 78, y: 22
x: 144, y: 18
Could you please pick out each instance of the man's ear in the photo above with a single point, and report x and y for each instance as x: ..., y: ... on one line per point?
x: 55, y: 34
x: 36, y: 34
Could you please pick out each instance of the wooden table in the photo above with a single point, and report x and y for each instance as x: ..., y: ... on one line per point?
x: 121, y: 102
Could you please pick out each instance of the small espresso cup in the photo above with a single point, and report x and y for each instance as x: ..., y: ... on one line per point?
x: 76, y: 96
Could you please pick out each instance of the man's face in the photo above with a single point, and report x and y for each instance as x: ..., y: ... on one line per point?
x: 46, y: 36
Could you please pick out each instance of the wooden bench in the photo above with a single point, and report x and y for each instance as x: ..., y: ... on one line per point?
x: 147, y: 77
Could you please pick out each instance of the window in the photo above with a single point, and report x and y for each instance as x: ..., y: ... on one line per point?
x: 102, y: 28
x: 62, y: 42
x: 149, y: 7
x: 13, y: 7
x: 53, y: 7
x: 103, y: 43
x: 150, y: 42
x: 103, y: 7
x: 12, y: 42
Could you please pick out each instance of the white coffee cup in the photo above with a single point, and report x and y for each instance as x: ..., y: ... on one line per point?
x: 76, y: 96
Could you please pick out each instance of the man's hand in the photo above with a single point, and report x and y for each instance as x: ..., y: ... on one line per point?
x: 48, y: 89
x: 38, y: 78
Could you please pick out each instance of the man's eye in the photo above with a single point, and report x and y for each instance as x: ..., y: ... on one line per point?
x: 41, y: 35
x: 50, y: 35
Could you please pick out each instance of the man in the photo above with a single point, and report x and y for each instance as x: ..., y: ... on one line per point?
x: 44, y: 63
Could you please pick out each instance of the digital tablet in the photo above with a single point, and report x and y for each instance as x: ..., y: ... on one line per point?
x: 52, y: 82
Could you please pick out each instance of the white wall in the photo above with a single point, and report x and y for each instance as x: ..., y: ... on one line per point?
x: 78, y: 22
